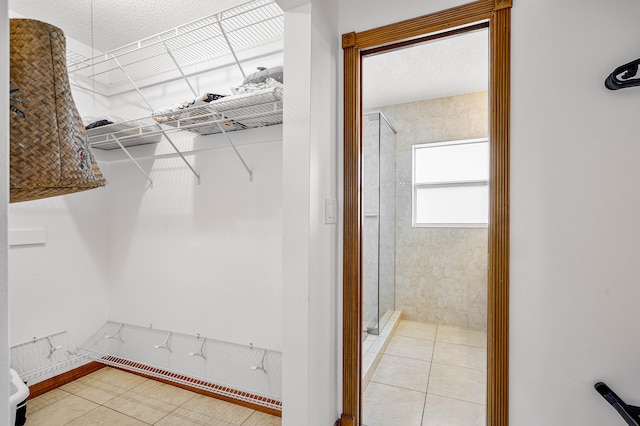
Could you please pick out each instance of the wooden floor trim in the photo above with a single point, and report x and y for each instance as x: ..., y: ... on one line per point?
x: 55, y: 382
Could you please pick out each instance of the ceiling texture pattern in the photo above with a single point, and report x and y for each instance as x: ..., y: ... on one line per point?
x: 444, y: 67
x: 116, y: 22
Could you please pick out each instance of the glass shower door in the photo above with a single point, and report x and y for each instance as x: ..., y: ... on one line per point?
x: 378, y: 222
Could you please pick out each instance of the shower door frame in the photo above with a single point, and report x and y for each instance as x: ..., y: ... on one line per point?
x: 497, y: 15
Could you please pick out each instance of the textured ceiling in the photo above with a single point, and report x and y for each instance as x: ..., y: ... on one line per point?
x: 444, y: 67
x: 116, y: 22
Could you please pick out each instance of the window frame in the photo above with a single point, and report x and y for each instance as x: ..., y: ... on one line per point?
x: 415, y: 186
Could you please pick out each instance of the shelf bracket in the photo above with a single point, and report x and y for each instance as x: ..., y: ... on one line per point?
x: 233, y: 52
x: 135, y: 86
x: 200, y: 351
x: 179, y: 68
x: 244, y: 163
x: 116, y: 335
x: 52, y: 347
x: 126, y: 151
x: 166, y: 344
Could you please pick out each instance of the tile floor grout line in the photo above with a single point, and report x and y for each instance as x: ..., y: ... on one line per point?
x: 396, y: 386
x: 459, y: 366
x: 456, y: 399
x: 426, y: 391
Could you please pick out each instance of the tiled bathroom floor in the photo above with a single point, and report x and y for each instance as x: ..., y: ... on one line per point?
x: 429, y: 375
x: 112, y: 397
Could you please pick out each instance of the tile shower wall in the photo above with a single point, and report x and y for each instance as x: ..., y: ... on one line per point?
x: 441, y: 273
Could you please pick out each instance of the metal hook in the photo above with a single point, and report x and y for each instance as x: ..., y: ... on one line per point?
x: 200, y: 351
x: 116, y: 335
x: 261, y: 365
x: 165, y: 344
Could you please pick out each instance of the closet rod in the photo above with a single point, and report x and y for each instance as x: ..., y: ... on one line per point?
x: 151, y: 109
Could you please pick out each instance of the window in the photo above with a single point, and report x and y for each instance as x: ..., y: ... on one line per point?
x: 450, y: 183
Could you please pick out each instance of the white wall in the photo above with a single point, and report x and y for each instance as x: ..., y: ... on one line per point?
x: 574, y: 209
x: 309, y: 268
x: 61, y: 285
x: 4, y: 199
x: 200, y: 258
x: 184, y: 257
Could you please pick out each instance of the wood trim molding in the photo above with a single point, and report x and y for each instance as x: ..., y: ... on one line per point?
x: 93, y: 366
x: 62, y: 379
x: 256, y: 407
x: 498, y: 297
x: 348, y: 40
x: 497, y: 13
x: 352, y: 292
x: 503, y: 4
x: 439, y: 21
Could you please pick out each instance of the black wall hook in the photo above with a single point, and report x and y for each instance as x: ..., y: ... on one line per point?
x: 624, y: 76
x: 630, y: 413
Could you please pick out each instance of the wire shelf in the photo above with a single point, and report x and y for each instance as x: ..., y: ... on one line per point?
x: 244, y: 373
x: 186, y: 48
x: 42, y: 356
x: 250, y: 110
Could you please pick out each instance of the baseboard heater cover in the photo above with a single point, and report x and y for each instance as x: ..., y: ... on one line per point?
x: 243, y: 373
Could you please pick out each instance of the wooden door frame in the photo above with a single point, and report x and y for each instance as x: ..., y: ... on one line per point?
x: 498, y: 14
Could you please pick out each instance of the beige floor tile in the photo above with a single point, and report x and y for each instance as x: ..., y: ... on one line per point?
x: 162, y: 392
x: 460, y: 355
x: 441, y: 411
x: 93, y: 390
x: 218, y: 409
x: 175, y: 420
x: 410, y: 347
x: 402, y: 372
x: 385, y: 405
x: 118, y: 378
x: 141, y: 407
x: 45, y: 400
x: 461, y: 336
x: 147, y: 400
x: 103, y: 416
x: 184, y: 417
x: 262, y: 419
x: 467, y: 384
x: 61, y: 412
x: 419, y: 330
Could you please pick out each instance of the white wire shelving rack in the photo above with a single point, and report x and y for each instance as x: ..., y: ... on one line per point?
x: 221, y: 40
x: 43, y: 356
x: 244, y: 373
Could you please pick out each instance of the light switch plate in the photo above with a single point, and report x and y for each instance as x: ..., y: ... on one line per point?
x: 330, y: 211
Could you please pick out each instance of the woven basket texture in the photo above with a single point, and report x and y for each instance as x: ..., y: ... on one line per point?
x: 49, y: 151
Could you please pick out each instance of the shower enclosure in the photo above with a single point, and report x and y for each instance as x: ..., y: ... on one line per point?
x: 378, y: 221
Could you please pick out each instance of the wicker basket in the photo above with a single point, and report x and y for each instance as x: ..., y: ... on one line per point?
x: 49, y: 148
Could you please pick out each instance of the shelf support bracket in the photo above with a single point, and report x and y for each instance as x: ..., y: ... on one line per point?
x: 233, y: 52
x: 200, y: 351
x: 166, y: 344
x: 244, y: 163
x: 126, y: 151
x: 116, y: 335
x: 135, y: 86
x: 179, y: 68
